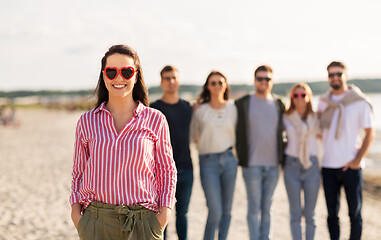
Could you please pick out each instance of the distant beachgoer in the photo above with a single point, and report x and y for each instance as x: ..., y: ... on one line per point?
x: 301, y: 170
x: 213, y: 129
x: 178, y: 113
x: 124, y: 176
x: 260, y: 149
x: 344, y: 112
x: 8, y: 116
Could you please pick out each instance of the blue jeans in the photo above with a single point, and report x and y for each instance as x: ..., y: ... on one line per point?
x: 260, y: 186
x: 298, y: 179
x: 218, y: 174
x: 183, y: 194
x: 333, y: 180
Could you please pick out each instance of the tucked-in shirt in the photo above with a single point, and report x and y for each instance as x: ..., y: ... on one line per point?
x: 133, y: 167
x: 355, y: 117
x: 263, y: 122
x: 178, y: 116
x: 214, y: 129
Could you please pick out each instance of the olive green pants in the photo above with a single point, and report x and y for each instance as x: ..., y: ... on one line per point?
x: 105, y: 221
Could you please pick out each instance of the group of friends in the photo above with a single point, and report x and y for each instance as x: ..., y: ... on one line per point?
x: 132, y: 162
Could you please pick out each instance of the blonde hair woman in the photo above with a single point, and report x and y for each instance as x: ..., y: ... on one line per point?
x: 301, y: 171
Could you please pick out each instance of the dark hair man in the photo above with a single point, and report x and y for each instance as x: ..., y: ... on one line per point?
x: 344, y: 112
x: 178, y: 113
x: 259, y: 146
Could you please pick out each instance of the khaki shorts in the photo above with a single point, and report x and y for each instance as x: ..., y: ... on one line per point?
x: 106, y: 221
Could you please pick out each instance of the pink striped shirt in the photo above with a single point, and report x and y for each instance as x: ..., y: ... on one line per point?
x: 134, y: 167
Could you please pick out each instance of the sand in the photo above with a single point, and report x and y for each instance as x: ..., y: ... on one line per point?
x: 35, y: 176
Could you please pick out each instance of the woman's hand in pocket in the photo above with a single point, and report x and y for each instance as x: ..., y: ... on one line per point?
x: 76, y: 213
x: 163, y: 216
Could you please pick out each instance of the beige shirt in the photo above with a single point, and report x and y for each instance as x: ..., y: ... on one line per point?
x: 214, y: 129
x: 301, y: 137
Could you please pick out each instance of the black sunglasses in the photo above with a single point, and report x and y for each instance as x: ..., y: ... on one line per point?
x: 260, y: 79
x: 214, y: 83
x: 331, y: 75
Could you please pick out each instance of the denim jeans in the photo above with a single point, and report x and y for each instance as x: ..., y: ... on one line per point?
x: 333, y: 180
x: 298, y: 179
x: 218, y: 174
x: 183, y: 194
x: 260, y: 184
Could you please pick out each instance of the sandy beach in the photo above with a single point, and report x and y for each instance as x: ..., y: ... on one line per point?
x: 35, y: 176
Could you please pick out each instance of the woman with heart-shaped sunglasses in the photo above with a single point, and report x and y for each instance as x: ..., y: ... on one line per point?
x: 301, y: 170
x: 124, y: 176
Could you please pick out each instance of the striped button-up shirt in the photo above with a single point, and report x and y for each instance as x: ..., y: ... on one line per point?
x: 132, y: 167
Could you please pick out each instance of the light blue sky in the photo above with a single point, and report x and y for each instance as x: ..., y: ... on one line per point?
x: 46, y: 44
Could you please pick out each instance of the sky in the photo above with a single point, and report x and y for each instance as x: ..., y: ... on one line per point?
x: 58, y: 45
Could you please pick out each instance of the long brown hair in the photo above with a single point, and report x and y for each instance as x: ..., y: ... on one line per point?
x: 308, y: 90
x: 139, y: 92
x: 204, y: 96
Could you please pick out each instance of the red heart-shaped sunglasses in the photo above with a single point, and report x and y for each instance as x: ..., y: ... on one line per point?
x: 126, y: 72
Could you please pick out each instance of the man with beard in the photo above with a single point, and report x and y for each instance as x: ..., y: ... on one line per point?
x: 178, y: 113
x: 259, y: 146
x: 344, y: 112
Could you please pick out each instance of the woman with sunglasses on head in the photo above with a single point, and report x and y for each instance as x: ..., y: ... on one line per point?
x: 124, y: 176
x: 301, y: 170
x: 213, y: 129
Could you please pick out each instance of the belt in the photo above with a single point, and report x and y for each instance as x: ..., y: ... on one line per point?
x: 130, y: 214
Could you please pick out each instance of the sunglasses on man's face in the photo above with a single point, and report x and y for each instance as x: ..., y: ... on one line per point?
x: 126, y: 72
x: 260, y: 79
x: 299, y: 95
x: 331, y: 75
x: 215, y: 83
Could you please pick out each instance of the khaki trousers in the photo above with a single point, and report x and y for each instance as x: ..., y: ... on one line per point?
x: 110, y: 222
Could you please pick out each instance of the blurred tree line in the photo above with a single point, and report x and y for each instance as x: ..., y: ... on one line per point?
x: 366, y: 85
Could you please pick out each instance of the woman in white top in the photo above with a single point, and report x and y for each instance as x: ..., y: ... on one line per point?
x: 213, y: 129
x: 301, y: 171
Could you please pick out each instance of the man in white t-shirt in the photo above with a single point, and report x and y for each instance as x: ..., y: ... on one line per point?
x: 344, y: 113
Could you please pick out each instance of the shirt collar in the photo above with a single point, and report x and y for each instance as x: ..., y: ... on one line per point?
x: 101, y: 107
x: 137, y: 110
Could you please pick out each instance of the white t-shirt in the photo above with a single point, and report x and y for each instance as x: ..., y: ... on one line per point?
x: 214, y: 129
x: 355, y: 117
